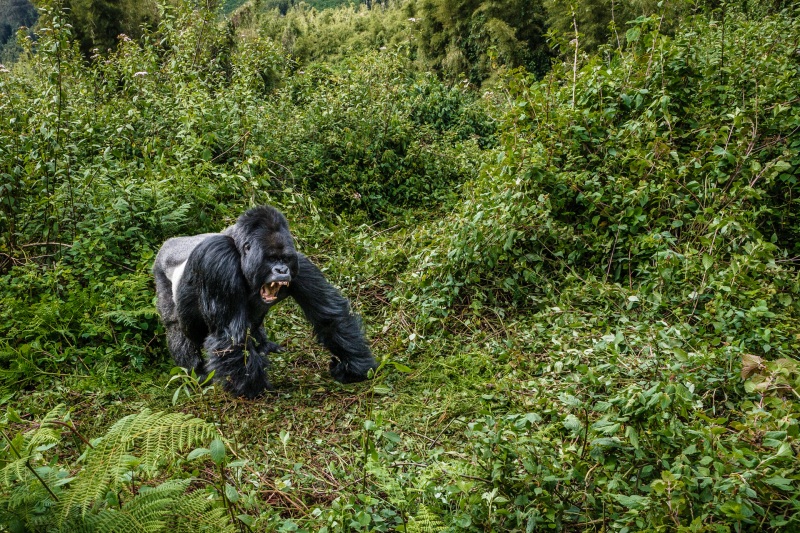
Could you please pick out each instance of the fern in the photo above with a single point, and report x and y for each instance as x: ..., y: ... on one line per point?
x: 196, y: 513
x: 161, y: 508
x: 171, y: 216
x: 28, y: 447
x: 130, y: 317
x: 425, y: 521
x: 44, y: 498
x: 153, y: 437
x: 28, y: 503
x: 147, y: 512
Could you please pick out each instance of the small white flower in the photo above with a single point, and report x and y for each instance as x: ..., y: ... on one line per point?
x: 3, y: 68
x: 412, y: 19
x: 140, y: 74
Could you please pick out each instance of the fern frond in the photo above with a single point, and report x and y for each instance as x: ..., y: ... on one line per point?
x: 14, y: 471
x: 173, y: 216
x: 32, y: 443
x: 130, y: 318
x: 55, y: 414
x: 146, y: 513
x: 196, y: 513
x: 29, y: 503
x: 425, y: 521
x: 151, y: 438
x: 18, y: 468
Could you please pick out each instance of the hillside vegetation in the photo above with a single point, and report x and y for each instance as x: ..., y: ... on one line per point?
x: 577, y: 263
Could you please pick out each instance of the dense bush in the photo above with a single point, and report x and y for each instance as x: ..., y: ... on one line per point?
x: 369, y: 135
x: 471, y: 37
x: 662, y: 169
x: 643, y: 206
x: 458, y: 39
x: 309, y: 35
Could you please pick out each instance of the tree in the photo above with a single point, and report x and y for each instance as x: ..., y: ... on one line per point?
x: 15, y: 14
x: 98, y: 23
x: 467, y: 36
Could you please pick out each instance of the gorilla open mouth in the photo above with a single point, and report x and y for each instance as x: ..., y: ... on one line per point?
x: 269, y: 291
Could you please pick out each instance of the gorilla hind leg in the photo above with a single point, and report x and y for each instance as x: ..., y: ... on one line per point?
x: 165, y: 302
x: 185, y: 352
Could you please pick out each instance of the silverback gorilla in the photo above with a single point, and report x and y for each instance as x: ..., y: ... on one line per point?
x: 215, y: 289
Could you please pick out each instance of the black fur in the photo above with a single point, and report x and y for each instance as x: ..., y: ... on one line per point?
x: 218, y: 305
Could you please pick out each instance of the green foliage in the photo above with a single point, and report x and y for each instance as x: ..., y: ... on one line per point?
x: 646, y: 210
x: 583, y: 287
x: 99, y: 493
x: 27, y: 447
x: 626, y: 429
x: 154, y: 438
x: 375, y: 137
x: 199, y: 513
x: 309, y: 35
x: 682, y: 191
x: 458, y: 39
x: 160, y: 138
x: 98, y: 24
x: 148, y: 511
x: 425, y: 521
x: 600, y: 22
x: 284, y: 5
x: 467, y: 37
x: 113, y: 149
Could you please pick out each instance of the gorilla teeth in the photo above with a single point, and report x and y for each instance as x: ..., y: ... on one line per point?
x: 270, y: 292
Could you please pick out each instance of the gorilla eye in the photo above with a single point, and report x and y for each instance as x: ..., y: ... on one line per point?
x: 246, y: 247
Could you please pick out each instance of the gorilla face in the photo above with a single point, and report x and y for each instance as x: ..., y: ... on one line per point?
x: 276, y: 268
x: 268, y: 256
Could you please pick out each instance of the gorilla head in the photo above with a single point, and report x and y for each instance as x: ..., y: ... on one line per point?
x: 268, y: 257
x: 215, y: 289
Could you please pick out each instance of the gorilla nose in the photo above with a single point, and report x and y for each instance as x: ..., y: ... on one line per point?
x: 280, y: 270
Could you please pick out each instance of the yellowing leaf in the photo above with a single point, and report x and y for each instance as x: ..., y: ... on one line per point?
x: 751, y: 364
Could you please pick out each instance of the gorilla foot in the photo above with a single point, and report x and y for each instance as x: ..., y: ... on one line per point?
x: 352, y: 371
x: 270, y: 347
x: 250, y: 390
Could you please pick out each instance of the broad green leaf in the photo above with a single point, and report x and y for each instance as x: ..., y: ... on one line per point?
x: 217, y: 451
x: 780, y: 482
x: 196, y: 453
x: 632, y: 501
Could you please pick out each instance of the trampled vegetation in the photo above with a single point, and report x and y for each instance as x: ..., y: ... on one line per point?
x: 577, y: 262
